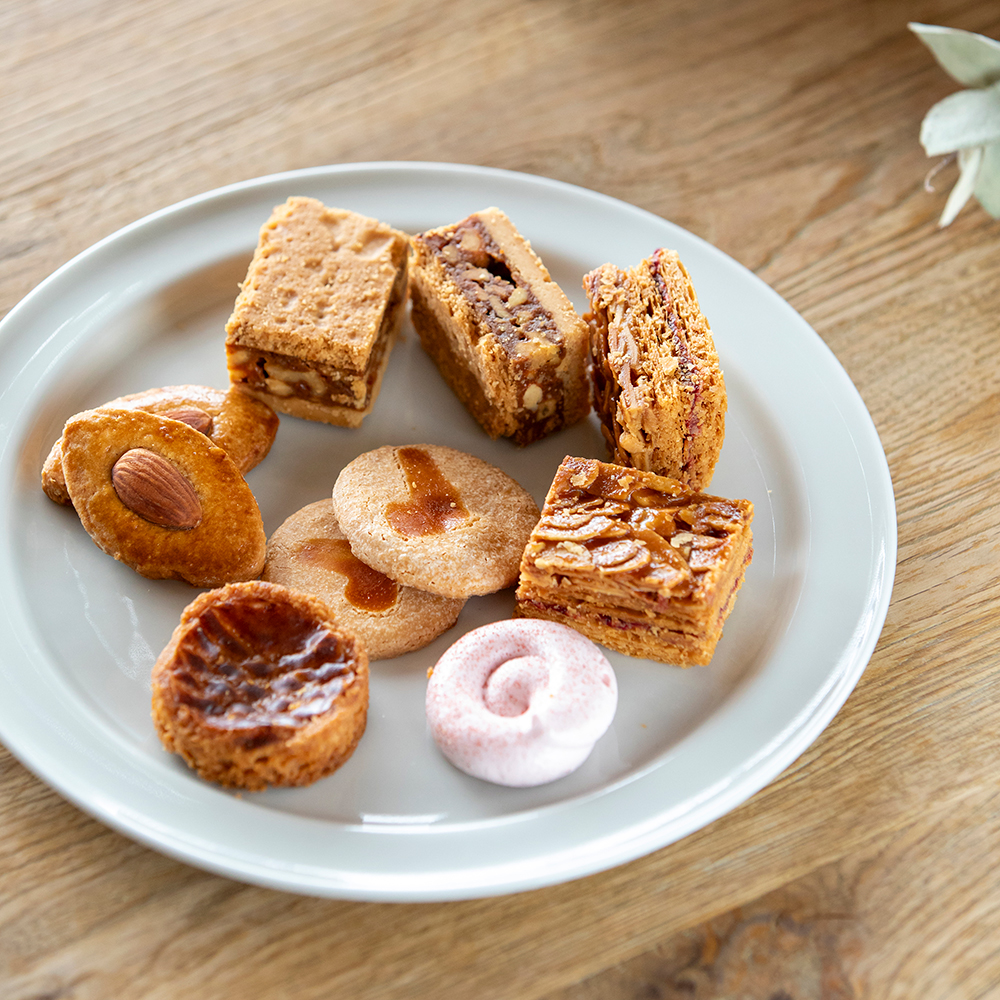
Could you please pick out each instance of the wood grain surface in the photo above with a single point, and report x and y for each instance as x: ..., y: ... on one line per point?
x: 784, y: 132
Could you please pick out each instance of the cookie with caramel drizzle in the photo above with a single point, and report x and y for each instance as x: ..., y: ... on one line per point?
x: 435, y: 518
x: 310, y: 553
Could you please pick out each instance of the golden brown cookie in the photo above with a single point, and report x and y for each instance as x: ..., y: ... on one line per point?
x: 319, y: 311
x: 160, y: 497
x: 435, y: 518
x: 639, y: 562
x: 242, y: 426
x: 310, y: 553
x: 658, y: 387
x: 504, y: 335
x: 260, y: 686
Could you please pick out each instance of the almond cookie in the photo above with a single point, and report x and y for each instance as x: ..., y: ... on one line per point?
x: 160, y: 497
x: 310, y: 553
x: 260, y: 686
x: 240, y: 425
x: 434, y: 518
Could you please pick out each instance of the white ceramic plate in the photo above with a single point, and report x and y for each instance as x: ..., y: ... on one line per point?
x: 80, y: 632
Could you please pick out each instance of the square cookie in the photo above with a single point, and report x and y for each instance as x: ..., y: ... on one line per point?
x: 658, y: 387
x: 638, y: 562
x: 504, y: 335
x: 318, y: 313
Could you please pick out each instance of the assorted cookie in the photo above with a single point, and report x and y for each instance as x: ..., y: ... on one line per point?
x: 641, y: 563
x: 260, y: 686
x: 318, y: 313
x: 241, y: 426
x: 503, y: 334
x: 435, y: 518
x: 265, y: 682
x: 658, y: 387
x: 310, y: 553
x: 160, y: 497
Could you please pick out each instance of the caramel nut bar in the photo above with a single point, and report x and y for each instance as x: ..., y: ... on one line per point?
x: 638, y: 562
x: 658, y: 388
x: 317, y: 315
x: 503, y: 333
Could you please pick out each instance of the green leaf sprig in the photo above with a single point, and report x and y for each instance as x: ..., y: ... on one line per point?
x: 966, y: 124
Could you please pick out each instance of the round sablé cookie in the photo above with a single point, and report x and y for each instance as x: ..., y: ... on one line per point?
x: 260, y: 685
x: 435, y: 518
x: 243, y: 427
x: 310, y: 553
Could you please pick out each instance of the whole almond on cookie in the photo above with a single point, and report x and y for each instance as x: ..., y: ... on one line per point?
x: 155, y: 490
x: 194, y: 417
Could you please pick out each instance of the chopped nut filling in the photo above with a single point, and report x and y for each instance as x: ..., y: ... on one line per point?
x: 478, y: 266
x: 284, y: 376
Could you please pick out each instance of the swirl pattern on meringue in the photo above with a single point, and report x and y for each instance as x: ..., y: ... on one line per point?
x: 520, y: 702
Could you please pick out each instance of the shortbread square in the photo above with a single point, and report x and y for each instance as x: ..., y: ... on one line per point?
x: 658, y: 386
x: 318, y: 313
x: 638, y: 562
x: 504, y: 335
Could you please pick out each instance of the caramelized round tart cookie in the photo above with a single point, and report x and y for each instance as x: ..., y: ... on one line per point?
x: 160, y: 497
x: 435, y: 518
x: 310, y: 553
x: 243, y: 427
x: 260, y: 686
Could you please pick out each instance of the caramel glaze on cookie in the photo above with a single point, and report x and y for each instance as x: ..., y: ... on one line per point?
x: 434, y: 518
x: 243, y: 427
x: 161, y: 498
x: 260, y: 685
x: 310, y: 553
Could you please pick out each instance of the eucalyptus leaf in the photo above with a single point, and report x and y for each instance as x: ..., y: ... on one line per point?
x: 988, y: 180
x: 969, y: 163
x: 972, y: 59
x: 968, y: 118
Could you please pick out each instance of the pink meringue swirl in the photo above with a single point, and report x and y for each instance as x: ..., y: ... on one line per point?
x: 520, y: 702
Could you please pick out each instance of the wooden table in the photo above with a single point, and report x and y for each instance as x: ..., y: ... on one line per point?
x: 786, y: 134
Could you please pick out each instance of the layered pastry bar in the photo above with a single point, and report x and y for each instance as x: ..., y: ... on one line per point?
x: 317, y: 315
x: 638, y: 562
x: 658, y: 388
x: 504, y: 335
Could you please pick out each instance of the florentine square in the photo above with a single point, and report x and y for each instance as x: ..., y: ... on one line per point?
x: 638, y: 562
x: 658, y: 386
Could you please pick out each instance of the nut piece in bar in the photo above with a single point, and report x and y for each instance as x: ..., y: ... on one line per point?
x: 503, y: 333
x: 157, y: 495
x: 658, y: 388
x: 319, y: 311
x: 638, y: 562
x: 260, y: 686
